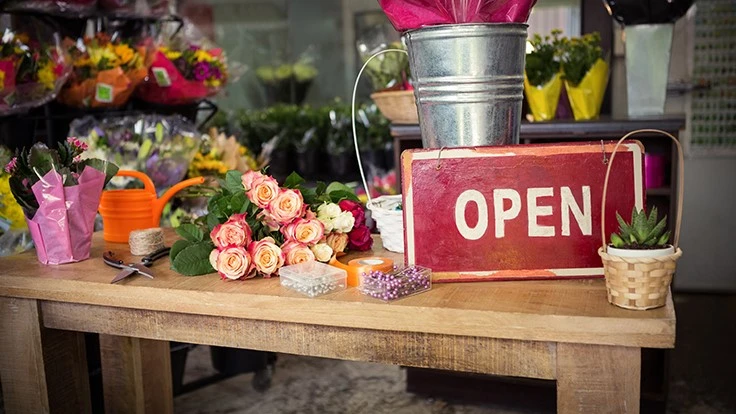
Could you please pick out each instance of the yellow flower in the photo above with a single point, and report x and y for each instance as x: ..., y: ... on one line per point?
x: 202, y: 56
x: 170, y: 54
x: 9, y: 208
x: 22, y: 38
x: 2, y: 80
x: 124, y: 52
x: 96, y: 55
x: 46, y: 76
x: 213, y: 83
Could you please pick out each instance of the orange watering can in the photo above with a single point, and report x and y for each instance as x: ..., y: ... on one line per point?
x: 126, y: 210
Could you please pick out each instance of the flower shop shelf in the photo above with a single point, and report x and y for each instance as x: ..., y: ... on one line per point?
x: 551, y: 330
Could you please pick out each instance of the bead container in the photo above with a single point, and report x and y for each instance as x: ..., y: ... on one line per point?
x: 313, y: 278
x: 397, y: 284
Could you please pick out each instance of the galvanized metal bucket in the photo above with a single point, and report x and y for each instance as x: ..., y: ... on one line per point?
x: 468, y: 82
x: 648, y: 49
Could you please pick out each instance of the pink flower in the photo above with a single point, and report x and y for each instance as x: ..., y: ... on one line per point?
x: 297, y: 253
x: 10, y: 167
x: 233, y: 263
x: 263, y: 190
x: 337, y: 241
x: 267, y: 256
x: 356, y: 209
x: 310, y: 215
x: 231, y: 234
x: 77, y: 143
x: 249, y: 177
x: 287, y: 206
x: 304, y: 231
x: 270, y: 222
x: 239, y: 219
x: 360, y: 238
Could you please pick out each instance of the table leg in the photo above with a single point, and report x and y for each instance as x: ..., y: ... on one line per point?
x: 42, y: 370
x: 136, y: 375
x: 598, y: 379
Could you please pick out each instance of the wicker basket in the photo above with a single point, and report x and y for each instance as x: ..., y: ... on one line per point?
x: 640, y: 283
x: 398, y: 107
x: 389, y: 220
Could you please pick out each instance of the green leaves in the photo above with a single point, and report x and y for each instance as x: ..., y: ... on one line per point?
x: 294, y: 180
x: 233, y: 182
x: 642, y: 231
x: 190, y: 232
x: 191, y: 259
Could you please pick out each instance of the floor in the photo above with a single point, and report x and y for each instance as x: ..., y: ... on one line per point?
x: 702, y: 377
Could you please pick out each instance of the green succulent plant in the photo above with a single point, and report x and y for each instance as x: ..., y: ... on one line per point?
x: 641, y: 232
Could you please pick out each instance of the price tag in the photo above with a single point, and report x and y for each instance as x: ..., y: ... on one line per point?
x: 104, y: 93
x: 162, y: 77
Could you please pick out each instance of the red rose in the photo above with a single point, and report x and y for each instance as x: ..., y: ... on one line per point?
x: 360, y: 238
x: 356, y: 209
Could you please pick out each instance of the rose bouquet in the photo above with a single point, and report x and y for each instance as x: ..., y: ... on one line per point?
x: 32, y: 70
x: 160, y: 146
x: 185, y: 69
x: 59, y: 193
x: 254, y: 227
x: 105, y: 71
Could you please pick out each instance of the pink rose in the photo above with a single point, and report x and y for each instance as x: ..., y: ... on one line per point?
x: 360, y: 238
x: 296, y: 252
x: 249, y: 177
x: 287, y: 206
x: 267, y: 256
x: 337, y: 241
x: 356, y: 209
x: 268, y: 220
x: 233, y: 263
x: 231, y: 234
x: 238, y: 218
x: 309, y: 215
x: 307, y: 232
x: 263, y: 190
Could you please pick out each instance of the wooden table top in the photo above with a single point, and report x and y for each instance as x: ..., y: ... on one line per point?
x: 559, y: 311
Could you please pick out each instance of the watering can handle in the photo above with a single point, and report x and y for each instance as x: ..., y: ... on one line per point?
x: 161, y: 202
x: 147, y: 182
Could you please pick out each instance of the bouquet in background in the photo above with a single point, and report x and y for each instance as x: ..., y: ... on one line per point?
x: 32, y: 69
x: 254, y: 226
x: 160, y: 146
x: 219, y: 154
x: 413, y: 14
x: 59, y: 193
x: 289, y: 82
x: 139, y: 8
x: 105, y: 71
x: 62, y: 7
x: 186, y: 69
x: 14, y: 236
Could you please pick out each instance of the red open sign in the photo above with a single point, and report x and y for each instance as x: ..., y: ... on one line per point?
x: 514, y: 212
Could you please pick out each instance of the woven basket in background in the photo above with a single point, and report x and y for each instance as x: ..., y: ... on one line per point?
x: 398, y: 107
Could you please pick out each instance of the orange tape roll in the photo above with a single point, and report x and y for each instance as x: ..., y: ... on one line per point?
x: 357, y: 267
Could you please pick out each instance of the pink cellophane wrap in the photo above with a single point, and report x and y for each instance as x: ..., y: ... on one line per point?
x: 182, y: 91
x: 413, y: 14
x: 63, y: 225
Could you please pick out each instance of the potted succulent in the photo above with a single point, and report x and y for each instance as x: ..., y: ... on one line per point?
x: 585, y: 74
x: 542, y: 78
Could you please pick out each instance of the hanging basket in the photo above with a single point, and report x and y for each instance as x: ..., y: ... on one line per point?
x: 641, y: 283
x: 389, y: 220
x: 398, y: 107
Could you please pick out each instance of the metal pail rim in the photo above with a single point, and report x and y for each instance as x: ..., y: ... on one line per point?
x: 465, y: 26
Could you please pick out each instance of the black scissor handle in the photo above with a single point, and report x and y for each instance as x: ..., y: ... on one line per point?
x: 110, y: 260
x: 148, y: 260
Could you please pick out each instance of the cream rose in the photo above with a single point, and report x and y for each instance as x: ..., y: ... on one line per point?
x: 287, y: 206
x: 249, y: 177
x: 296, y: 252
x: 304, y: 231
x: 328, y: 210
x: 322, y: 252
x: 343, y: 222
x: 263, y: 190
x: 233, y: 263
x: 337, y: 241
x: 213, y: 258
x: 267, y: 256
x: 231, y: 234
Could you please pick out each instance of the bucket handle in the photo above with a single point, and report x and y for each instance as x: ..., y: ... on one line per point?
x: 352, y: 119
x: 680, y: 183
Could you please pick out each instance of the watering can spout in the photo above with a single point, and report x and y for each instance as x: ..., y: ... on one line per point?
x: 158, y: 206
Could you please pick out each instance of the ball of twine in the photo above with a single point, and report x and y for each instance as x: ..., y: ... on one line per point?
x: 146, y: 241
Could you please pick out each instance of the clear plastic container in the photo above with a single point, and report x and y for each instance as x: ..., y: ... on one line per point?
x: 397, y: 284
x: 313, y: 278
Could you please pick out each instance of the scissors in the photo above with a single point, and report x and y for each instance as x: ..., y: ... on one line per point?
x: 130, y: 269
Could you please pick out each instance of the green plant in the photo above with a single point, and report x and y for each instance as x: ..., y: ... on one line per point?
x: 543, y: 63
x: 390, y: 70
x: 578, y: 55
x: 641, y: 232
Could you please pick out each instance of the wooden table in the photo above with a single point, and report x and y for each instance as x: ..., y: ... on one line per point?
x: 563, y: 330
